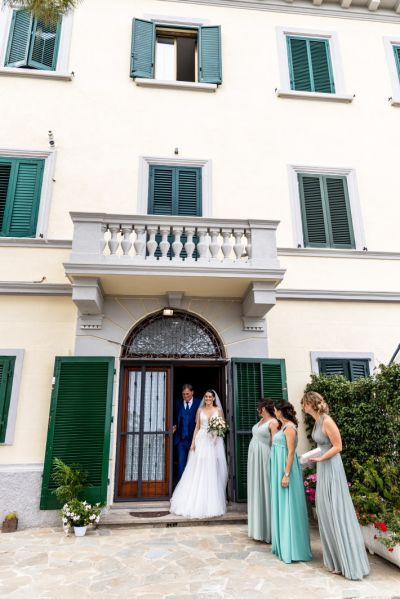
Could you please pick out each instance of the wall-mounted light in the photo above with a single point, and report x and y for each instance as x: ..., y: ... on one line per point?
x: 52, y: 143
x: 168, y: 312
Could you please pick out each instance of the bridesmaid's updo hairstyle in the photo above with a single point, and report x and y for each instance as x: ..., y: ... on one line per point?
x: 316, y: 402
x: 287, y: 410
x: 212, y: 393
x: 268, y: 404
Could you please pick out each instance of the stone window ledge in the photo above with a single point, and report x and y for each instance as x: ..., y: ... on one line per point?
x: 290, y: 93
x: 188, y: 85
x: 36, y: 74
x: 395, y: 101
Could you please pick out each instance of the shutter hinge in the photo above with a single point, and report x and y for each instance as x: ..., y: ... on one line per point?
x: 115, y: 371
x: 112, y: 419
x: 108, y: 481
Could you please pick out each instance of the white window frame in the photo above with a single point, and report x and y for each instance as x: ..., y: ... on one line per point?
x: 16, y: 382
x: 285, y: 91
x: 144, y: 169
x: 354, y: 199
x: 61, y: 70
x: 318, y: 355
x: 49, y: 157
x: 389, y: 42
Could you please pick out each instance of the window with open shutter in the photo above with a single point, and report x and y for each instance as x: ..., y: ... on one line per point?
x: 20, y: 189
x: 32, y: 43
x: 349, y: 368
x: 310, y: 64
x: 252, y: 379
x: 79, y: 423
x: 7, y: 364
x: 326, y: 214
x: 210, y: 63
x: 396, y: 50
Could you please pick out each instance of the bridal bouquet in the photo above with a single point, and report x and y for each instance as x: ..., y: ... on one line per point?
x: 217, y: 426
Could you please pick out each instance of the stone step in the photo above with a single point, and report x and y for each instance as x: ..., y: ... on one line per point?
x: 118, y: 517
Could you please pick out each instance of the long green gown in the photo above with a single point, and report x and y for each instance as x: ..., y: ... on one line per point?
x: 342, y: 543
x: 290, y: 533
x: 258, y: 494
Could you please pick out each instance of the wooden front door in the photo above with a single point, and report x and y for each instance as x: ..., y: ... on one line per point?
x: 145, y: 441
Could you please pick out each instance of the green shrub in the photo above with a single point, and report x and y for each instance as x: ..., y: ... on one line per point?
x: 70, y: 481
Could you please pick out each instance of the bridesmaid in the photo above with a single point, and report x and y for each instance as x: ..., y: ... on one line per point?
x: 290, y: 534
x: 342, y: 543
x: 258, y: 495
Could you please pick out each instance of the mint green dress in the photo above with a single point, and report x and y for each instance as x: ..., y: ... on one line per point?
x: 342, y: 543
x: 258, y: 494
x: 290, y: 533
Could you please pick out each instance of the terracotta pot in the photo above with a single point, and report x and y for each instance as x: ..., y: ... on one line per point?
x: 10, y: 525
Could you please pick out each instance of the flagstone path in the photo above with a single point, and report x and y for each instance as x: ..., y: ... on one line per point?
x: 210, y: 562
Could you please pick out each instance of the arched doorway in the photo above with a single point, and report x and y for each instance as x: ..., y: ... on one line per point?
x: 160, y: 354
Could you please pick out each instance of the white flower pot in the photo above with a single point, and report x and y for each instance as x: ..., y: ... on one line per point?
x: 80, y: 531
x: 375, y: 546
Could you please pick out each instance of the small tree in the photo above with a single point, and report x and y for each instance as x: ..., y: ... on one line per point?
x: 48, y: 11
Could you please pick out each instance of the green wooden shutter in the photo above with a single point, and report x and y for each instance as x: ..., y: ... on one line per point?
x: 143, y: 48
x: 19, y: 39
x: 43, y: 51
x: 188, y: 201
x: 175, y: 191
x: 79, y: 424
x: 252, y: 379
x: 162, y: 189
x: 7, y: 364
x: 350, y: 369
x: 339, y: 215
x: 210, y: 60
x: 5, y: 174
x: 310, y: 65
x: 300, y: 76
x: 396, y: 50
x: 313, y: 211
x: 22, y: 206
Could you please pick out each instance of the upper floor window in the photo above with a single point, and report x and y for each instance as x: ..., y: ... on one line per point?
x: 325, y: 211
x: 396, y: 50
x: 32, y: 44
x: 351, y: 369
x: 175, y: 190
x: 20, y: 190
x: 310, y: 65
x: 176, y: 53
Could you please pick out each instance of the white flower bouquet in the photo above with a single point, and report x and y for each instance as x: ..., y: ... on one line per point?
x: 80, y: 513
x: 217, y: 426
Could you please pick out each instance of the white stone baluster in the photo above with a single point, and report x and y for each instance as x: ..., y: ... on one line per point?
x: 226, y: 246
x: 164, y: 243
x: 249, y: 247
x: 238, y: 246
x: 113, y: 242
x: 139, y: 243
x: 202, y: 246
x: 214, y: 245
x: 152, y: 243
x: 126, y: 243
x: 103, y: 242
x: 177, y: 245
x: 189, y: 245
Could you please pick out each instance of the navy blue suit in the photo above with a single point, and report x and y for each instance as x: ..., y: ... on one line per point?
x: 185, y: 421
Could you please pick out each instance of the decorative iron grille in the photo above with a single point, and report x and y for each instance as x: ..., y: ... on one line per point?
x: 179, y: 336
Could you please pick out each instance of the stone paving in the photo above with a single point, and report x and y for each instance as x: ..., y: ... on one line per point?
x: 213, y: 562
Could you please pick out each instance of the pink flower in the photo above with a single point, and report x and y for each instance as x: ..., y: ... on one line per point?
x: 306, y: 483
x: 381, y: 526
x: 391, y: 549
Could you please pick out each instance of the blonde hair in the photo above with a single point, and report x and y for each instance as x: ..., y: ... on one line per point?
x: 315, y: 401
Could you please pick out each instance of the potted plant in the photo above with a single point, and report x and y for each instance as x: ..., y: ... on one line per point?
x: 376, y: 497
x: 79, y: 514
x: 310, y: 484
x: 10, y: 523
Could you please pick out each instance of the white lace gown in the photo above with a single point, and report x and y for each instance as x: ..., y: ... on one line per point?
x: 201, y: 492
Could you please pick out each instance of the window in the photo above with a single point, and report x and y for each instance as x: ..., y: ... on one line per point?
x: 6, y: 379
x: 396, y: 50
x: 352, y: 369
x: 310, y: 65
x: 32, y: 44
x: 20, y: 189
x: 176, y: 53
x: 325, y: 211
x: 175, y: 190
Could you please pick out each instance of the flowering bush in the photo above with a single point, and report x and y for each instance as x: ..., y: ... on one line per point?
x: 310, y: 484
x: 80, y: 513
x: 217, y: 426
x: 388, y: 531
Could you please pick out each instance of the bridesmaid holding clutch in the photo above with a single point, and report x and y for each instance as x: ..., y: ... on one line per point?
x: 342, y: 543
x: 258, y: 495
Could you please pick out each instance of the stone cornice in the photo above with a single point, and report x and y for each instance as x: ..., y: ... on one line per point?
x: 348, y: 254
x: 337, y: 295
x: 371, y: 10
x: 27, y: 288
x: 35, y: 243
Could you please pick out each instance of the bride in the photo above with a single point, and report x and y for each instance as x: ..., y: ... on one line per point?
x: 201, y: 491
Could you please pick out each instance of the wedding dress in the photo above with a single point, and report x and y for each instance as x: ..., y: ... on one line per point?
x: 201, y: 492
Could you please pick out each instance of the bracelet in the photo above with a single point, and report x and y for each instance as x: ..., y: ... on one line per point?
x: 287, y: 474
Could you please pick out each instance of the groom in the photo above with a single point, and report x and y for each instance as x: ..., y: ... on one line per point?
x: 184, y: 425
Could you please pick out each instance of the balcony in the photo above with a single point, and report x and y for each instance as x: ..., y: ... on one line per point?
x: 155, y: 255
